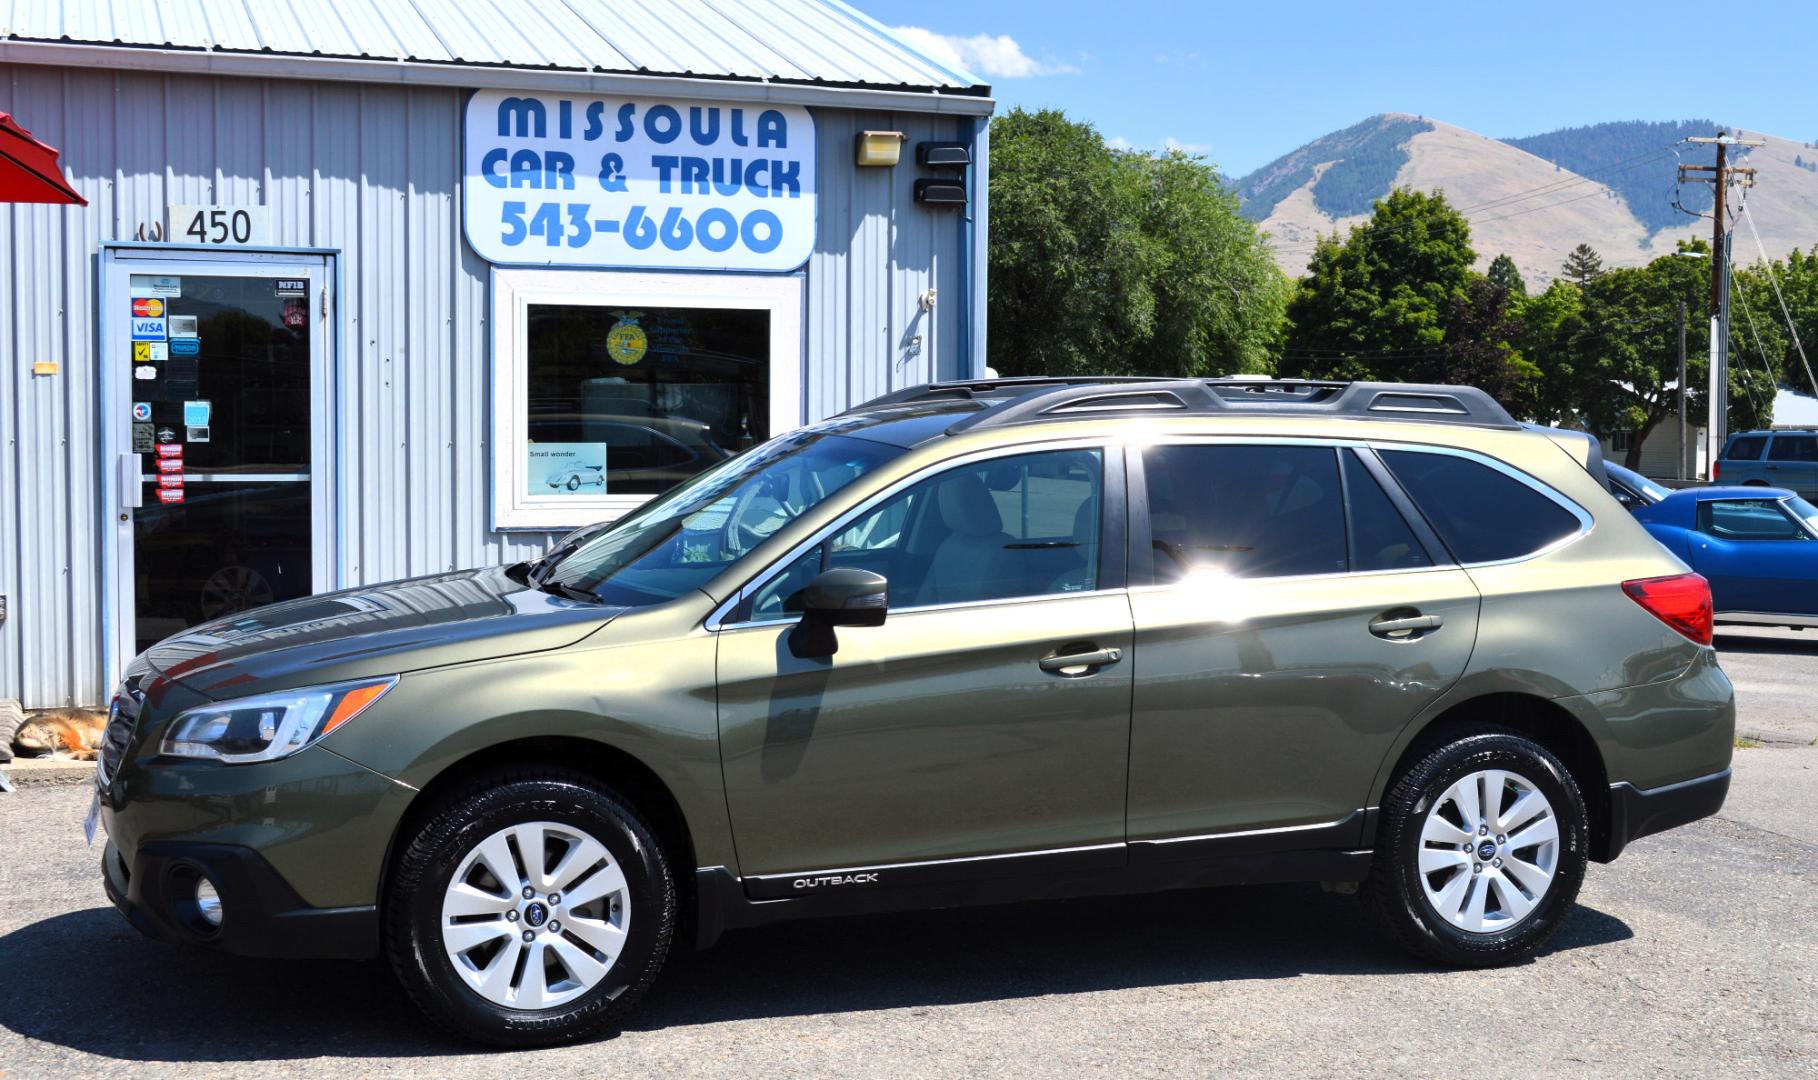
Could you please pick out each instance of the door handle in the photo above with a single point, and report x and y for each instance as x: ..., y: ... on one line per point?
x: 1080, y: 663
x: 1406, y: 628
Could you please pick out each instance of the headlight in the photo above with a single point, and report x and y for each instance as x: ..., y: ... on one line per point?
x: 270, y: 726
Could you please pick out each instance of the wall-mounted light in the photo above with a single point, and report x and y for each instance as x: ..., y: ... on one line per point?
x: 944, y: 193
x: 943, y: 155
x: 880, y: 148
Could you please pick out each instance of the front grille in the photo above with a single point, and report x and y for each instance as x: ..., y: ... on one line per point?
x: 122, y: 715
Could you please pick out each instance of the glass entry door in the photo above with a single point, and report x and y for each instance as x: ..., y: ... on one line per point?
x: 219, y: 366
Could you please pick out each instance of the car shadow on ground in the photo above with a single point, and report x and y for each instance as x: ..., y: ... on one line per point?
x: 87, y: 982
x: 1731, y: 642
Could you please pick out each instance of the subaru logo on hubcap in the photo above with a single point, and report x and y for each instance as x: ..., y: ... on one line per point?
x: 1484, y: 851
x: 535, y: 914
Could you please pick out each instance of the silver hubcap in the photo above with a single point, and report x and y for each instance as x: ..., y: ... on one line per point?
x: 1488, y: 851
x: 535, y: 916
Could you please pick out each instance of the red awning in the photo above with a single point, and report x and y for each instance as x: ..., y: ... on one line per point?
x: 29, y: 170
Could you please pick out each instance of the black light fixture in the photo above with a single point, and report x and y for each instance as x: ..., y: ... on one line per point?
x: 942, y: 192
x: 943, y: 155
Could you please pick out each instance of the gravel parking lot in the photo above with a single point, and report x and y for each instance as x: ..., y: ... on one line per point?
x: 1690, y: 955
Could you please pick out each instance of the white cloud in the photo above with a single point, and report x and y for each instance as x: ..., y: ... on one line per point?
x: 1118, y: 142
x: 993, y: 56
x: 1172, y: 143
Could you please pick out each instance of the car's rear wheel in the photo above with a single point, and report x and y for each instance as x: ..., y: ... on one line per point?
x: 1480, y: 852
x: 532, y: 910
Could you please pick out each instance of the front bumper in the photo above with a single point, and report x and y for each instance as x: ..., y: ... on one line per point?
x: 1635, y: 813
x: 261, y: 915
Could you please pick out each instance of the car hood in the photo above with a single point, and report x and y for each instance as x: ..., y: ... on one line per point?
x: 377, y: 630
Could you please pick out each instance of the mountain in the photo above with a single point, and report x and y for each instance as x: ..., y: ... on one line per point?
x: 1535, y: 197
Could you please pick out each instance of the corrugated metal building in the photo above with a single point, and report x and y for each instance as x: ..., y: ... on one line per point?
x: 332, y: 315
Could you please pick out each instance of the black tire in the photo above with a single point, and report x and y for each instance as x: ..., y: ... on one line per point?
x: 414, y: 895
x: 1394, y: 892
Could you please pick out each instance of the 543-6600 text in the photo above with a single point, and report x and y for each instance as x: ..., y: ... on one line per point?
x: 574, y: 224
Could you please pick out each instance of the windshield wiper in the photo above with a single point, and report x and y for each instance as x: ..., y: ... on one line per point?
x: 567, y: 591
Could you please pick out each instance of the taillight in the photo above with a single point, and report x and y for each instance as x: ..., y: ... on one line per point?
x: 1715, y: 466
x: 1682, y: 601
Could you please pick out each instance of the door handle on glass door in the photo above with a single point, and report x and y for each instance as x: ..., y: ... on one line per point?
x: 1080, y: 663
x: 1405, y: 629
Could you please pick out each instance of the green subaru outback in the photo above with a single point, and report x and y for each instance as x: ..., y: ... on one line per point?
x: 966, y: 643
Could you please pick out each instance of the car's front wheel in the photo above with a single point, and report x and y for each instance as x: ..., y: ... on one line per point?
x: 1480, y: 852
x: 532, y: 910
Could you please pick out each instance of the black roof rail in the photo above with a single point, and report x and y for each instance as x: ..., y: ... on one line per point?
x: 1029, y: 400
x: 976, y: 389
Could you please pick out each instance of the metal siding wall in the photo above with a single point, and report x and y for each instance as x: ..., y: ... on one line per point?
x: 877, y: 251
x: 372, y: 171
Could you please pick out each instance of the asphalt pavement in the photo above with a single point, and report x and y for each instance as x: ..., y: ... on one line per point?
x: 1691, y: 955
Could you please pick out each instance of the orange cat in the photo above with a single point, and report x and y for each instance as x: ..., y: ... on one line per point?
x: 73, y: 731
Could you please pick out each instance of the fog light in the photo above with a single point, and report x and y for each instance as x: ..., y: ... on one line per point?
x: 208, y: 902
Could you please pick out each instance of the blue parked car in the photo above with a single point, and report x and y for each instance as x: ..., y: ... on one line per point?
x: 1632, y: 489
x: 1758, y: 547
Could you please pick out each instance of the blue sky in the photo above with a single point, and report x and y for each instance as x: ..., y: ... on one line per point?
x: 1245, y: 83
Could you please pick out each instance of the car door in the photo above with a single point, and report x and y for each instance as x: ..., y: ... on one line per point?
x: 1792, y: 462
x: 957, y: 730
x: 1282, y: 639
x: 1758, y: 556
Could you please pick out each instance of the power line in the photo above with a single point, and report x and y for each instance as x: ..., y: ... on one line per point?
x: 1774, y: 279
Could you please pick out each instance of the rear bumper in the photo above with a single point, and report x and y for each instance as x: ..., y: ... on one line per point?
x: 1635, y: 813
x: 261, y: 914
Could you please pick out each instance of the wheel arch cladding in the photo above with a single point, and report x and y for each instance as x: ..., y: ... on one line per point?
x: 617, y: 769
x: 1546, y: 722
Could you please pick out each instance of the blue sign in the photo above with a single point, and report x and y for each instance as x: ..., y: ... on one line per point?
x: 636, y: 183
x: 185, y: 346
x: 148, y: 329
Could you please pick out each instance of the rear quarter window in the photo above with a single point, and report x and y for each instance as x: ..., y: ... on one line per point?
x: 1482, y: 514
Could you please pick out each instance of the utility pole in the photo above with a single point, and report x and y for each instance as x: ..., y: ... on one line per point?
x: 1679, y: 473
x: 1719, y: 176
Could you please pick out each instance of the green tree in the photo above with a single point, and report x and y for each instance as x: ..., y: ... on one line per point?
x: 1582, y: 265
x: 1545, y: 324
x: 1504, y: 274
x: 1397, y: 300
x: 1113, y: 262
x: 1377, y: 300
x: 1759, y: 336
x: 1625, y: 352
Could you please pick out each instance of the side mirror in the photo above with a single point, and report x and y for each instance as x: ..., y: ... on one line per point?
x: 842, y: 597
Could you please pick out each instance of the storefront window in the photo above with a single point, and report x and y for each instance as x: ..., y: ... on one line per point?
x: 632, y: 401
x: 614, y: 387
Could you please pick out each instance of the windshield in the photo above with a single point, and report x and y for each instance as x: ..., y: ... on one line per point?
x: 683, y: 539
x: 1655, y: 492
x: 1803, y: 510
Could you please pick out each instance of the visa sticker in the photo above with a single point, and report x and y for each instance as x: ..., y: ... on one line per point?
x: 141, y: 410
x: 149, y: 329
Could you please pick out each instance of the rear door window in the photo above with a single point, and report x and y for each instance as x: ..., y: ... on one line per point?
x: 1793, y: 448
x: 1247, y: 511
x: 1746, y: 448
x: 1482, y: 514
